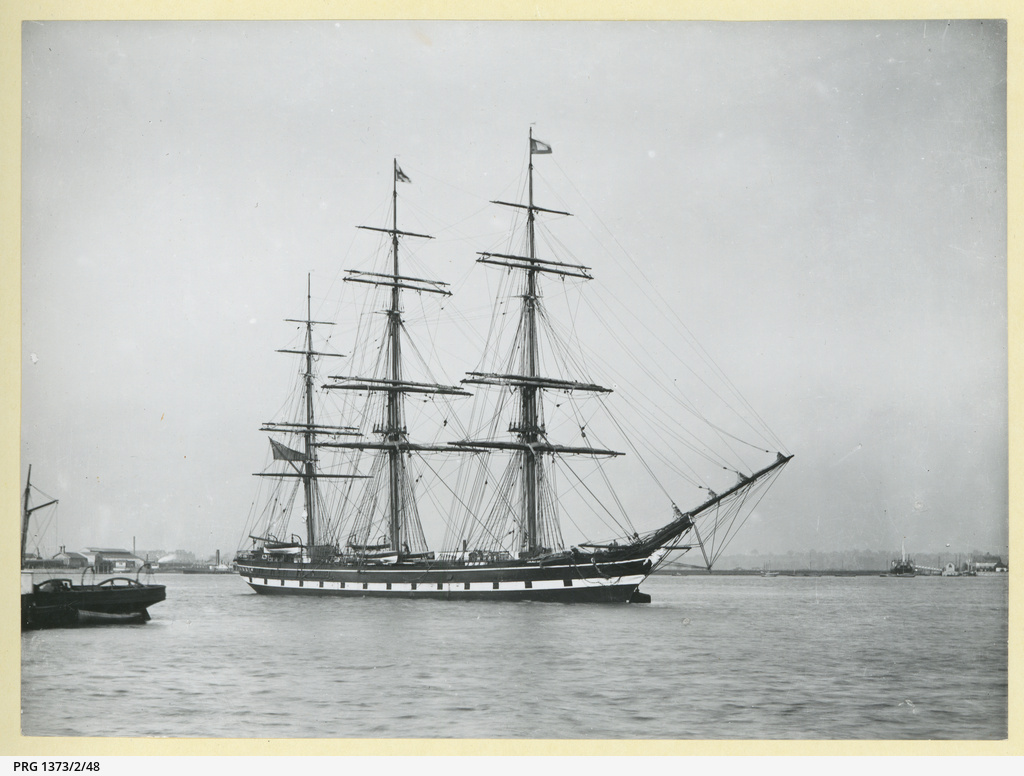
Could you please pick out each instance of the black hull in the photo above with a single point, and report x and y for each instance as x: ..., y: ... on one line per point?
x: 615, y: 595
x: 562, y: 581
x: 88, y: 605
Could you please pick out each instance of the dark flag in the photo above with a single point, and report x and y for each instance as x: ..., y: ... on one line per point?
x: 283, y: 453
x: 538, y: 147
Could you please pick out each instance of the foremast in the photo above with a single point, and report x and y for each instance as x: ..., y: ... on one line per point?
x: 530, y: 427
x: 531, y: 442
x: 394, y: 442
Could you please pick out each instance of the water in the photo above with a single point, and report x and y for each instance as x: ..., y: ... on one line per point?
x: 711, y: 658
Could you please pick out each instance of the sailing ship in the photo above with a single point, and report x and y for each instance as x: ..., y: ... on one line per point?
x: 60, y: 603
x: 504, y: 537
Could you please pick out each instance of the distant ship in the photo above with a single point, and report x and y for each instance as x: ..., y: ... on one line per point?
x: 60, y: 603
x: 505, y: 538
x: 902, y: 567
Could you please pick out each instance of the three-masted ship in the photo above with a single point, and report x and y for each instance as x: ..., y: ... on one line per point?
x: 504, y: 539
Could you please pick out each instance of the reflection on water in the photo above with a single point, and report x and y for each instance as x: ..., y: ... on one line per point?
x: 711, y: 657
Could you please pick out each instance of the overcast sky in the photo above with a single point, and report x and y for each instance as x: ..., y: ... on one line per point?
x: 823, y: 204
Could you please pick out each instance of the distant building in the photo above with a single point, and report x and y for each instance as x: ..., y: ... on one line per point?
x: 989, y: 563
x: 33, y: 561
x: 72, y: 560
x: 113, y: 561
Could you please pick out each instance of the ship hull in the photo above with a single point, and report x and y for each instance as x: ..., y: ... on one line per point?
x: 565, y: 581
x: 88, y: 605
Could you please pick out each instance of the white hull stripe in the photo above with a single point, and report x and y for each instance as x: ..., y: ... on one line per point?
x: 445, y: 587
x: 606, y: 567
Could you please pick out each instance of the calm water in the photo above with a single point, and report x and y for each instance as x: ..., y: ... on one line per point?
x: 712, y: 657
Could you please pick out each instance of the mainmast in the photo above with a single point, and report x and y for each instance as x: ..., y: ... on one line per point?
x: 394, y: 440
x: 394, y: 431
x: 309, y: 481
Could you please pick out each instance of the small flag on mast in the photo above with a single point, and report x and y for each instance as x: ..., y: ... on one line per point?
x: 401, y: 176
x: 539, y: 147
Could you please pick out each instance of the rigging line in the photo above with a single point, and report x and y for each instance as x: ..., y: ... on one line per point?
x: 680, y: 432
x: 761, y: 488
x: 730, y: 530
x: 366, y: 517
x: 690, y: 409
x: 42, y: 493
x: 633, y: 355
x: 640, y: 458
x: 495, y: 325
x: 434, y: 329
x: 617, y: 524
x: 450, y: 525
x: 678, y: 465
x: 668, y: 307
x: 728, y: 526
x: 563, y: 336
x: 552, y: 512
x: 338, y: 283
x: 477, y: 469
x: 447, y: 231
x: 615, y: 495
x: 762, y: 430
x: 507, y: 483
x: 557, y: 347
x: 638, y: 346
x: 670, y: 439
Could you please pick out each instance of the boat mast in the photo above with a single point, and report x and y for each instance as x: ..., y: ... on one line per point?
x: 394, y: 435
x: 303, y: 462
x: 309, y: 481
x: 393, y: 431
x: 27, y: 511
x: 531, y: 442
x: 529, y: 429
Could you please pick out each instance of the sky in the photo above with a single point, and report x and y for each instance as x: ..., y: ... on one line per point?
x: 822, y: 205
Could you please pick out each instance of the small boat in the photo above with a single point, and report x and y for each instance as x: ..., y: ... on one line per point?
x: 504, y: 538
x: 59, y: 603
x: 767, y: 571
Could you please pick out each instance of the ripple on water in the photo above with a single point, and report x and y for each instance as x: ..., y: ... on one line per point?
x: 713, y: 657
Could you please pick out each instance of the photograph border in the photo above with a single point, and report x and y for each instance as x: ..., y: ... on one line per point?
x: 12, y: 15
